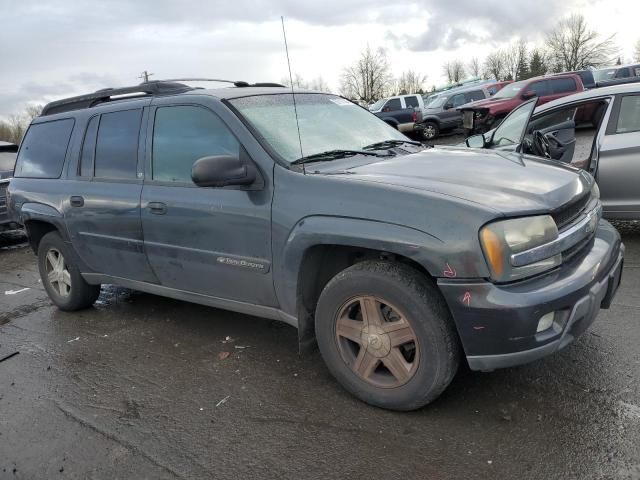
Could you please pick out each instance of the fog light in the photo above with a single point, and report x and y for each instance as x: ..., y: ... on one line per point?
x: 545, y: 322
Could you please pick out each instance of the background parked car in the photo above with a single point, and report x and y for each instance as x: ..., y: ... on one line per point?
x: 597, y: 130
x: 617, y: 75
x: 8, y: 152
x: 441, y: 114
x: 482, y: 116
x: 401, y: 112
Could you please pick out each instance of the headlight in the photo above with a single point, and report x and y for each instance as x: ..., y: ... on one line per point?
x: 502, y: 239
x: 595, y: 191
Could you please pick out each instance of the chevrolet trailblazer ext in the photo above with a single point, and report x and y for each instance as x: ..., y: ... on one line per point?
x: 399, y: 260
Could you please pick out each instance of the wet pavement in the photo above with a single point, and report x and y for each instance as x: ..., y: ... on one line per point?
x: 142, y: 386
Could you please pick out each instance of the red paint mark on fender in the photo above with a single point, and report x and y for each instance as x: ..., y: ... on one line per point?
x: 467, y: 298
x: 479, y: 328
x: 450, y: 272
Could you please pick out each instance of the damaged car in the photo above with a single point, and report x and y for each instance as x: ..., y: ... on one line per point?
x: 484, y: 115
x: 597, y: 131
x: 398, y: 260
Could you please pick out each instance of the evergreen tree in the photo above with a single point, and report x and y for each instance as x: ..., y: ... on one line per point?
x: 537, y: 65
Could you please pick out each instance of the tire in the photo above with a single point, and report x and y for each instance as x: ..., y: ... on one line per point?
x: 430, y: 131
x: 402, y: 295
x: 61, y: 277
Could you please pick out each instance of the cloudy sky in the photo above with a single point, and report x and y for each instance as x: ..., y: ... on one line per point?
x: 55, y: 48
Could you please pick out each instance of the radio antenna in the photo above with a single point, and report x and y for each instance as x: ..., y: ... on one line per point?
x: 293, y: 95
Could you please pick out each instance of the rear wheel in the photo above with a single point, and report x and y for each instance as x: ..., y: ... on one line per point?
x: 386, y: 335
x: 61, y: 278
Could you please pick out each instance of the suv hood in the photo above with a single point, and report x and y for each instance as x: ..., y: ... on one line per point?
x: 510, y: 183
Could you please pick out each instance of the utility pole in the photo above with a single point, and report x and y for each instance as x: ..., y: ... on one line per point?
x: 145, y: 76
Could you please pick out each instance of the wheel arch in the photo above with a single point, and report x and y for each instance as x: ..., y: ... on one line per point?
x: 38, y: 220
x: 320, y: 247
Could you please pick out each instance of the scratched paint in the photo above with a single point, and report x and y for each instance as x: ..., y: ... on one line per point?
x: 449, y: 272
x: 466, y: 298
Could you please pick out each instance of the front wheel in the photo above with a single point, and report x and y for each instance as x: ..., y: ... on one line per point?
x: 386, y: 335
x: 430, y: 131
x: 61, y: 278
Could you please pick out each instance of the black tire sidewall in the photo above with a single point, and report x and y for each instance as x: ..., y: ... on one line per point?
x: 425, y: 314
x: 82, y: 295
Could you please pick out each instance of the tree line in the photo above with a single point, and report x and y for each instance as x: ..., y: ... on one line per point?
x: 12, y: 130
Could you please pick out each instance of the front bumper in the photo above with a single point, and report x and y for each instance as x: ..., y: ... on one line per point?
x: 497, y: 323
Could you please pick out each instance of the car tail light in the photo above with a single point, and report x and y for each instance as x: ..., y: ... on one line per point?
x: 415, y: 116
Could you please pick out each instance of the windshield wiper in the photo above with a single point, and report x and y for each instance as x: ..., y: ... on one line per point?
x: 389, y: 144
x: 333, y: 155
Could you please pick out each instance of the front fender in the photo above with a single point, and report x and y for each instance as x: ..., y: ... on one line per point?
x: 354, y: 232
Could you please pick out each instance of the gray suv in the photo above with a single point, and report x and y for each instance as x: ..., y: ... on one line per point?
x: 400, y: 261
x: 440, y: 111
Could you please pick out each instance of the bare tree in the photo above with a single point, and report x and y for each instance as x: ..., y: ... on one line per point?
x: 454, y: 71
x: 319, y: 84
x: 16, y: 125
x: 473, y: 67
x: 368, y: 78
x: 410, y: 82
x: 573, y: 46
x: 494, y: 65
x: 636, y: 53
x: 515, y: 61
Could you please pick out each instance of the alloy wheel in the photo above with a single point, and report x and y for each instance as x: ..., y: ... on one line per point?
x: 58, y: 275
x: 377, y: 342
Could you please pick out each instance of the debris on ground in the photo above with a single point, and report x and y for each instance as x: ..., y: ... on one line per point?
x: 223, y: 355
x: 8, y: 356
x: 224, y: 400
x: 228, y: 339
x: 73, y: 340
x: 14, y: 292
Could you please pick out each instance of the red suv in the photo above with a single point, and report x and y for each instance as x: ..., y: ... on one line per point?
x: 483, y: 115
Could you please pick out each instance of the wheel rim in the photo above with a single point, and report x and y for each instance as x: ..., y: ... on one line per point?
x: 377, y: 342
x: 58, y: 275
x: 429, y: 132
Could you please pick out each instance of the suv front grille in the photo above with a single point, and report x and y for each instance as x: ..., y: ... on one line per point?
x: 566, y: 214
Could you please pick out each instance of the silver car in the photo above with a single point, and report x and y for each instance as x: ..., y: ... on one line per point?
x: 597, y: 130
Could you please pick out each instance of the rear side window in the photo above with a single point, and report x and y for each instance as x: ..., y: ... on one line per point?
x: 540, y: 88
x: 392, y: 105
x: 629, y: 118
x: 44, y: 149
x: 116, y: 154
x: 411, y: 102
x: 563, y: 85
x: 623, y: 73
x: 182, y: 135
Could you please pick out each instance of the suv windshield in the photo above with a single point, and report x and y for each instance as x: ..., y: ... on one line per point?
x: 436, y: 102
x: 510, y: 91
x: 327, y: 123
x: 604, y: 74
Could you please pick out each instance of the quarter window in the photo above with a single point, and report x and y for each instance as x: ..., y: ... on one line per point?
x: 182, y: 135
x: 44, y: 149
x: 116, y: 154
x: 629, y: 118
x: 89, y: 148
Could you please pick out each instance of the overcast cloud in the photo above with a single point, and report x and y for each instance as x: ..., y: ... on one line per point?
x: 64, y: 47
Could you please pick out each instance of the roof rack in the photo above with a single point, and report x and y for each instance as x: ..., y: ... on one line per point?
x: 154, y: 87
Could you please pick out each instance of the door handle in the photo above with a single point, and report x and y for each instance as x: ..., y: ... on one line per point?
x: 157, y: 208
x: 77, y: 201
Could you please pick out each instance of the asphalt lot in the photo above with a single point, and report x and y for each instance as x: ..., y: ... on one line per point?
x: 142, y: 386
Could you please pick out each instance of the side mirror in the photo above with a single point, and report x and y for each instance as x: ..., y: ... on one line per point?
x: 447, y: 106
x: 475, y: 141
x: 221, y: 171
x: 528, y: 94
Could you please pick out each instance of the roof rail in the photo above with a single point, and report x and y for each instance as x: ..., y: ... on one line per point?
x: 155, y: 87
x: 235, y: 83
